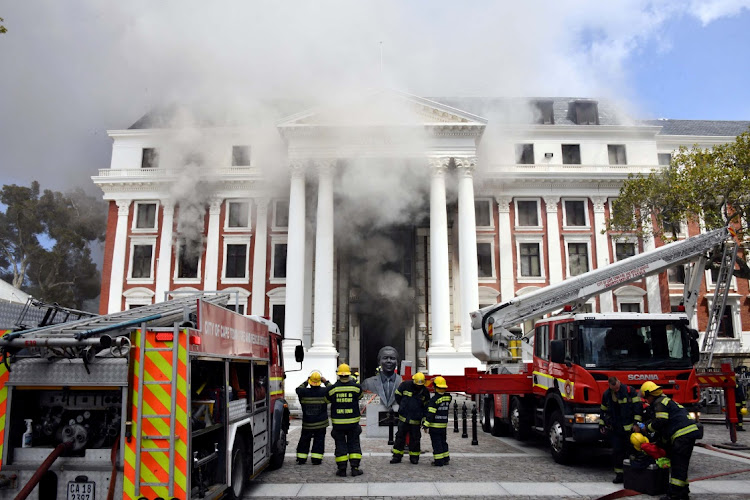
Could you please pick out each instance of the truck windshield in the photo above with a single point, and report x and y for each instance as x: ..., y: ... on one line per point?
x: 625, y: 344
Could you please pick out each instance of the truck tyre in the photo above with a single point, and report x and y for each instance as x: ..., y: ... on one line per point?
x: 484, y: 414
x: 239, y: 471
x: 497, y: 426
x: 519, y: 421
x: 278, y: 450
x: 562, y: 450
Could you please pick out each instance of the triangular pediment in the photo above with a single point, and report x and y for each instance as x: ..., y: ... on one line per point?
x: 383, y: 108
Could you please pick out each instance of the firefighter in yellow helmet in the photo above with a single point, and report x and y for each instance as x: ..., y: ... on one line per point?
x: 436, y: 422
x: 620, y: 408
x: 412, y: 398
x: 314, y: 418
x: 740, y: 400
x: 344, y: 398
x: 676, y: 431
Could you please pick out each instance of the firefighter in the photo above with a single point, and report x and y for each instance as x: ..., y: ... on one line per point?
x: 621, y: 407
x: 676, y: 432
x: 740, y: 400
x: 412, y: 398
x: 436, y: 422
x: 314, y: 418
x: 344, y: 398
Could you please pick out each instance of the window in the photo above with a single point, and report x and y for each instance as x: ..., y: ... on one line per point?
x: 664, y: 158
x: 624, y: 250
x: 578, y: 258
x: 279, y: 260
x: 239, y: 309
x: 240, y: 156
x: 575, y: 213
x: 150, y: 158
x: 145, y: 216
x: 584, y: 112
x: 236, y: 261
x: 141, y: 267
x: 676, y: 275
x: 188, y: 258
x: 571, y: 154
x: 630, y: 307
x: 527, y: 213
x: 484, y: 259
x: 482, y: 213
x: 616, y: 154
x: 281, y: 214
x: 525, y: 154
x: 726, y: 328
x: 541, y: 341
x: 529, y: 256
x: 278, y: 314
x: 238, y: 214
x: 544, y: 113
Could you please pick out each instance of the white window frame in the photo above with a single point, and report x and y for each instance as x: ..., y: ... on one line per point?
x: 610, y: 203
x: 583, y: 238
x: 516, y: 211
x: 235, y: 229
x: 198, y: 278
x: 490, y: 238
x: 138, y: 296
x: 238, y: 296
x: 275, y: 240
x: 733, y: 301
x: 141, y: 240
x: 624, y: 152
x: 276, y: 297
x: 491, y: 208
x: 629, y: 294
x: 249, y: 155
x: 488, y: 295
x: 274, y: 226
x: 623, y: 239
x: 587, y: 224
x: 528, y: 238
x: 236, y: 240
x: 138, y: 230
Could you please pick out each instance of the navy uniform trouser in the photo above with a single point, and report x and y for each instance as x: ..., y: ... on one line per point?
x: 620, y: 449
x: 346, y: 438
x: 681, y: 450
x: 439, y: 438
x: 413, y: 430
x: 318, y: 438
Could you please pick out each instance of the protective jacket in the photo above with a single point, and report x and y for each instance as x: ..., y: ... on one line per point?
x: 344, y: 399
x: 412, y: 400
x: 620, y: 409
x: 438, y: 409
x: 314, y: 405
x: 671, y: 420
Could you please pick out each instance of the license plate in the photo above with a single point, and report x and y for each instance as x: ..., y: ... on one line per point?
x: 81, y: 491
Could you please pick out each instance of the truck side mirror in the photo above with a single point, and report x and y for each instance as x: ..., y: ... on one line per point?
x: 299, y: 354
x: 557, y: 351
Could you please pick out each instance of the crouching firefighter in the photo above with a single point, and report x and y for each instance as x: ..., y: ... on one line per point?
x: 436, y: 422
x: 412, y: 398
x: 314, y: 418
x: 676, y: 432
x: 344, y: 398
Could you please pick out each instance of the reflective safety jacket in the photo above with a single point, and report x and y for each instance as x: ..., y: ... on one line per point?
x: 671, y: 420
x: 314, y: 405
x: 740, y: 400
x: 344, y: 399
x: 438, y: 409
x: 412, y: 400
x: 620, y: 409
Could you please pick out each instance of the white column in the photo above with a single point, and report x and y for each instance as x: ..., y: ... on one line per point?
x: 295, y: 256
x: 258, y: 300
x: 164, y: 269
x: 505, y: 250
x: 553, y: 239
x: 439, y: 279
x: 210, y: 281
x: 467, y: 248
x: 117, y: 276
x: 602, y: 247
x: 653, y: 291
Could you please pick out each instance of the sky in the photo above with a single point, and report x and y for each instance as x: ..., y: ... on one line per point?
x: 70, y: 71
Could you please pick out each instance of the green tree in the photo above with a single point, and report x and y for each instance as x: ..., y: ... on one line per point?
x: 2, y: 28
x: 45, y: 243
x: 707, y: 185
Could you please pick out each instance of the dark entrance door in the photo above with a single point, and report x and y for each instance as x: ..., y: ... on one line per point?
x: 376, y: 331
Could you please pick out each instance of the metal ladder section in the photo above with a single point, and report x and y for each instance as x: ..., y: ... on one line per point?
x: 170, y: 387
x: 721, y: 290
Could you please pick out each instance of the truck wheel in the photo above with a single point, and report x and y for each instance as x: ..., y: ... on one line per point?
x: 278, y: 450
x: 239, y: 473
x: 519, y: 424
x: 562, y: 450
x: 484, y: 414
x: 497, y: 426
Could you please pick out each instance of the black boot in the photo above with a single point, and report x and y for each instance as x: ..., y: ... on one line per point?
x: 356, y: 471
x: 396, y: 459
x: 300, y: 461
x: 414, y: 459
x: 341, y: 472
x: 618, y: 478
x: 437, y: 463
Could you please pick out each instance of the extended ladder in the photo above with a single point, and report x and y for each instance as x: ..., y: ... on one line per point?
x: 715, y: 314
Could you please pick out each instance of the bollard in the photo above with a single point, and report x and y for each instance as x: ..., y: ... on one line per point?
x: 465, y: 433
x: 455, y: 416
x: 474, y: 439
x: 391, y: 420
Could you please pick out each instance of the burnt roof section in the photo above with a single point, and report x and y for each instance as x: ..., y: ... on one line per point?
x: 700, y: 127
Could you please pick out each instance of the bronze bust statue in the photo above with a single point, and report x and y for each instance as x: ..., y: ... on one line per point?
x: 387, y: 380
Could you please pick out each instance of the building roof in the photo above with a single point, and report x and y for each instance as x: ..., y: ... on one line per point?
x: 700, y: 127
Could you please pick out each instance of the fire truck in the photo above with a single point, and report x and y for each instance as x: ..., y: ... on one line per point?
x: 550, y: 381
x: 176, y: 400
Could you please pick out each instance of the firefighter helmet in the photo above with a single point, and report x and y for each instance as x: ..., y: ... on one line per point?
x: 440, y: 382
x: 637, y: 439
x: 343, y: 370
x: 650, y: 389
x: 743, y: 411
x: 314, y: 378
x: 418, y: 378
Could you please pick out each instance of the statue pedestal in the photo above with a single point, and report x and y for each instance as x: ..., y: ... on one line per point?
x: 375, y: 413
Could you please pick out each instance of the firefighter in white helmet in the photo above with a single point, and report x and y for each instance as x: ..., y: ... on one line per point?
x: 412, y: 398
x: 344, y: 398
x: 436, y: 422
x: 314, y: 418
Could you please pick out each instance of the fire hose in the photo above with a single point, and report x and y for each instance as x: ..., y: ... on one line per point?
x: 29, y: 487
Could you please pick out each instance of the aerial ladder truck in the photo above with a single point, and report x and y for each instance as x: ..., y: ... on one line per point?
x: 176, y: 400
x: 550, y: 381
